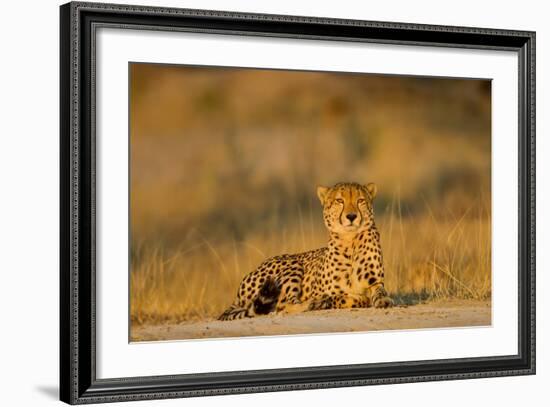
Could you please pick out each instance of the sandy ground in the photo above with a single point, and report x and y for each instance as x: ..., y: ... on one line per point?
x: 429, y: 315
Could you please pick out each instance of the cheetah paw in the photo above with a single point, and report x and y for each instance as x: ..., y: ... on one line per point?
x: 320, y: 303
x: 383, y: 302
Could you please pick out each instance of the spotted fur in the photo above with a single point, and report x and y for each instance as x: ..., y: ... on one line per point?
x: 348, y: 273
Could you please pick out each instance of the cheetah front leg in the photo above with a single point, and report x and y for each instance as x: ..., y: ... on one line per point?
x: 339, y: 301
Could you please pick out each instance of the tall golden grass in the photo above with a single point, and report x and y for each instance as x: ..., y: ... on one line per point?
x: 425, y: 259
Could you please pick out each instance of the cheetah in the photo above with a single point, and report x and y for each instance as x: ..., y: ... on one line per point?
x: 347, y: 273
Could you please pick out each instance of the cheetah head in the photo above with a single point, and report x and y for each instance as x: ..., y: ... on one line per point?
x: 347, y: 207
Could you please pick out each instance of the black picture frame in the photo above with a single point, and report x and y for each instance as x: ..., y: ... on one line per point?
x: 78, y: 382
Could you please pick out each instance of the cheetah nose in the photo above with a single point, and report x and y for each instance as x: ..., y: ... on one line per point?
x: 351, y: 216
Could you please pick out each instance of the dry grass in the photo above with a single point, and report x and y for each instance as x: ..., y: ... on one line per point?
x: 425, y: 259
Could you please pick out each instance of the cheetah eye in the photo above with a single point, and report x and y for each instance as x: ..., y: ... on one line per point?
x: 339, y: 200
x: 360, y: 201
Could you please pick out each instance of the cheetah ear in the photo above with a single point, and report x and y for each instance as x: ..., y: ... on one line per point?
x: 322, y: 193
x: 371, y: 187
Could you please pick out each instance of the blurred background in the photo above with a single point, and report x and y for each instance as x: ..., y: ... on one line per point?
x: 225, y: 164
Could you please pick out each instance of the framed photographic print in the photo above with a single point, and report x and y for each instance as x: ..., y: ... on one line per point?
x: 255, y: 203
